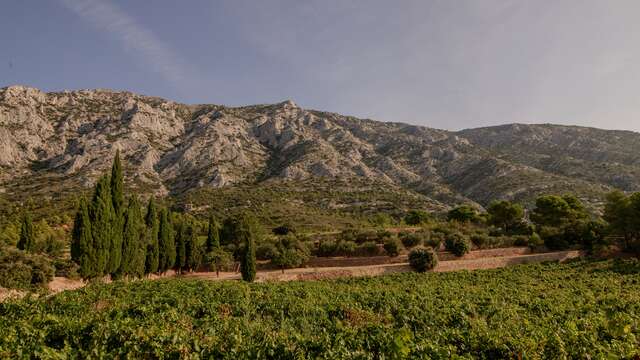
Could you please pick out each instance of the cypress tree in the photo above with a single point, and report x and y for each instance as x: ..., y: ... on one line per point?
x: 167, y: 253
x: 181, y: 250
x: 101, y: 215
x: 193, y: 252
x: 245, y: 233
x: 117, y: 185
x: 117, y: 200
x: 82, y: 251
x: 26, y: 241
x: 213, y: 235
x: 153, y: 247
x: 133, y: 244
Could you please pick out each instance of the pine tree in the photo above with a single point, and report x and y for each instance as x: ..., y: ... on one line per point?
x: 27, y: 240
x: 133, y: 244
x: 213, y: 235
x: 117, y: 199
x: 245, y: 233
x: 167, y: 253
x: 181, y: 250
x: 101, y: 215
x: 82, y: 250
x: 153, y: 247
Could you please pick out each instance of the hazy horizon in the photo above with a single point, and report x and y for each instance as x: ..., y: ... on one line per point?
x: 432, y: 63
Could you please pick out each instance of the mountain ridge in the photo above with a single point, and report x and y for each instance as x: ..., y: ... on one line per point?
x: 64, y: 140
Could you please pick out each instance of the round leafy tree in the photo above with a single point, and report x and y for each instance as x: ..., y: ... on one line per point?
x: 457, y: 244
x: 422, y: 259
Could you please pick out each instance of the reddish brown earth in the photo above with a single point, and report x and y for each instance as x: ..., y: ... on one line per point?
x: 331, y: 268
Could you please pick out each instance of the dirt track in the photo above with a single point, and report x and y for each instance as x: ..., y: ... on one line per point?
x: 356, y: 267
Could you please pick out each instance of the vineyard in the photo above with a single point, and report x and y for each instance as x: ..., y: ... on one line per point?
x: 580, y: 309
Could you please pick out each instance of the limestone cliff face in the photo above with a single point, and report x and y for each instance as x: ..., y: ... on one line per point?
x: 64, y: 140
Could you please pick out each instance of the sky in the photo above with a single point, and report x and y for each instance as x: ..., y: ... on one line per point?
x: 443, y: 64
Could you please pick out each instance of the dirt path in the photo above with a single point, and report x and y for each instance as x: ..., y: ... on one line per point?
x: 483, y: 259
x: 318, y: 273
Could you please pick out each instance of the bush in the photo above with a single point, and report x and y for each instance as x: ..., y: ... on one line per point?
x: 285, y: 229
x: 435, y: 240
x: 66, y: 268
x: 348, y: 235
x: 416, y: 217
x: 219, y: 260
x: 366, y: 236
x: 480, y: 240
x: 410, y: 240
x: 535, y: 240
x: 422, y: 259
x: 19, y: 270
x: 288, y: 258
x: 392, y: 247
x: 457, y: 244
x: 327, y: 248
x: 383, y: 236
x: 369, y: 248
x: 266, y: 251
x: 521, y: 240
x: 290, y: 253
x: 346, y: 248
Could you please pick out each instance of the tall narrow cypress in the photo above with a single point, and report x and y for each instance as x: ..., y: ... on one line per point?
x: 153, y: 247
x: 82, y: 250
x: 133, y: 242
x: 167, y: 253
x: 193, y: 252
x: 213, y: 235
x: 181, y: 250
x: 26, y: 241
x: 245, y: 233
x: 101, y: 215
x: 117, y: 200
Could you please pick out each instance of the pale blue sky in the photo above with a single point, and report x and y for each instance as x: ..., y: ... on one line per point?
x: 445, y: 64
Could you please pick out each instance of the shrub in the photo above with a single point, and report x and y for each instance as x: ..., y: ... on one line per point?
x: 266, y: 251
x: 19, y: 270
x: 366, y: 236
x: 346, y: 248
x: 288, y: 258
x: 218, y: 260
x: 410, y: 240
x: 348, y: 235
x: 66, y: 268
x: 383, y: 236
x: 480, y: 240
x: 435, y: 240
x: 392, y: 247
x: 326, y: 248
x: 520, y: 240
x: 285, y: 229
x: 457, y: 244
x: 463, y: 213
x: 369, y: 248
x: 535, y: 240
x: 422, y: 259
x: 416, y: 217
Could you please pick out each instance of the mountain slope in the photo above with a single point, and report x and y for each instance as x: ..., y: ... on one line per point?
x: 53, y: 144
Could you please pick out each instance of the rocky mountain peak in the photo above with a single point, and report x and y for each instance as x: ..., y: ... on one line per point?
x: 68, y: 138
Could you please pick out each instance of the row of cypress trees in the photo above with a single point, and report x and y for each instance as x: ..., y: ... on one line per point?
x: 113, y: 238
x: 110, y: 238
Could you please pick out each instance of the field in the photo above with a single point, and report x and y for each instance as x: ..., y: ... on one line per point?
x: 580, y: 309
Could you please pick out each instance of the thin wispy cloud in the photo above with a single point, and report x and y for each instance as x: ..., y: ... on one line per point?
x: 137, y: 39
